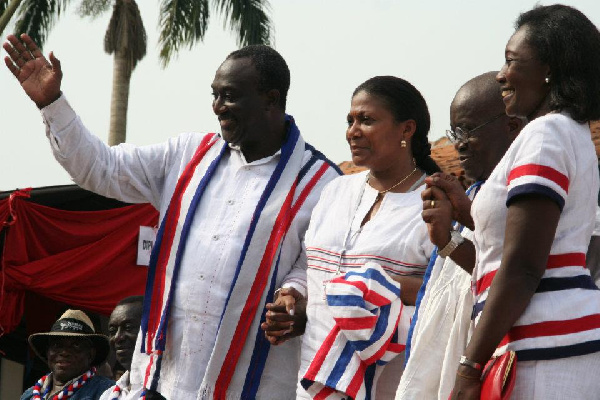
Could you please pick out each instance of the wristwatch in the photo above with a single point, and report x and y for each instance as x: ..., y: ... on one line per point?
x: 455, y: 240
x: 465, y: 361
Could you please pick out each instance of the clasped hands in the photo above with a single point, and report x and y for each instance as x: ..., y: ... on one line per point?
x: 444, y: 201
x: 285, y: 317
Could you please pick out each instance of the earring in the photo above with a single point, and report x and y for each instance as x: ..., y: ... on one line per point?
x: 403, y: 143
x: 547, y: 80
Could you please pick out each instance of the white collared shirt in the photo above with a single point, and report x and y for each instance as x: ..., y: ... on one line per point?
x: 149, y: 174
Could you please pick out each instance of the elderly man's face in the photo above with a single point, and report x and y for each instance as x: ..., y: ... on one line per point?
x: 69, y: 357
x: 480, y: 154
x: 123, y: 327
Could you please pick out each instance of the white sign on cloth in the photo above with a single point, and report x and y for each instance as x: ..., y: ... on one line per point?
x: 145, y: 243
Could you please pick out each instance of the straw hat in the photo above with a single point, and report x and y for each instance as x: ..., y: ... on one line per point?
x: 73, y: 323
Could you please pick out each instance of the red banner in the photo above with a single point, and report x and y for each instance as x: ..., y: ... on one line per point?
x: 83, y: 258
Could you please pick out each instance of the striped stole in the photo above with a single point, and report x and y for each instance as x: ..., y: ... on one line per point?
x: 366, y: 308
x: 239, y: 339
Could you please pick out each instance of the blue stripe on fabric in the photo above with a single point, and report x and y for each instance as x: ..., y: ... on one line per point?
x: 378, y: 331
x: 286, y: 152
x: 535, y: 188
x: 185, y: 230
x: 473, y: 189
x: 158, y: 366
x: 376, y: 276
x: 261, y: 346
x: 572, y: 282
x: 369, y: 380
x: 477, y: 309
x: 322, y: 157
x: 311, y: 161
x: 340, y: 366
x: 152, y: 275
x: 334, y: 300
x: 150, y: 280
x: 552, y: 353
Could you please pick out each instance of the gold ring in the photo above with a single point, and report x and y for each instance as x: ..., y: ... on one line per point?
x: 432, y: 203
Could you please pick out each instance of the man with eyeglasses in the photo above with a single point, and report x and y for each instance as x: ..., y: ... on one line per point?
x: 481, y: 133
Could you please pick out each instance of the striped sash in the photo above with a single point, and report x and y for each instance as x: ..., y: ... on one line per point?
x: 366, y: 307
x: 239, y: 339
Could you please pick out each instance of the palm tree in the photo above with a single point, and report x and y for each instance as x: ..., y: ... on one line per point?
x: 182, y: 23
x: 7, y: 10
x: 125, y: 39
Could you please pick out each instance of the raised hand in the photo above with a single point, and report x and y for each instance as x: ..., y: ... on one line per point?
x: 39, y: 78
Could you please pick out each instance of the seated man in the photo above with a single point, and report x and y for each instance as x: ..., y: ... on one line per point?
x: 123, y: 328
x: 72, y: 349
x: 481, y: 133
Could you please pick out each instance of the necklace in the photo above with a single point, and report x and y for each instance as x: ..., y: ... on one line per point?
x: 399, y: 183
x: 67, y: 391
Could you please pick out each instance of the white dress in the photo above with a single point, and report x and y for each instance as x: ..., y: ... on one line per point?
x: 557, y: 338
x: 396, y: 238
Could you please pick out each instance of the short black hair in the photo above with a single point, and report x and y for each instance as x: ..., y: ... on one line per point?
x: 405, y: 102
x: 272, y: 69
x: 131, y: 300
x: 569, y: 43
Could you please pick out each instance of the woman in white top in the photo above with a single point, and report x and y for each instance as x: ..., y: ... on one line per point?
x: 535, y: 214
x: 372, y: 216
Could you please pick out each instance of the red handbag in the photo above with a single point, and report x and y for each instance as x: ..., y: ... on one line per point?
x: 498, y: 377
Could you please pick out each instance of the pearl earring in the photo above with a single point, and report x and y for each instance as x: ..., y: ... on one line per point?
x: 547, y: 80
x: 403, y: 143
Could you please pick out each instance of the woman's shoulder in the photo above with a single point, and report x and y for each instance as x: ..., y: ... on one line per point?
x: 558, y: 125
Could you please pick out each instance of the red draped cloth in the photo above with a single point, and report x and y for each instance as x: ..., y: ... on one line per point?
x: 86, y: 259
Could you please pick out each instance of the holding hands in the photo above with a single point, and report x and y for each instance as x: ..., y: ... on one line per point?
x: 286, y: 316
x: 39, y: 78
x: 444, y: 201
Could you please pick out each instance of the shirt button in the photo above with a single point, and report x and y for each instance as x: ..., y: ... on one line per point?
x: 230, y: 202
x: 215, y: 237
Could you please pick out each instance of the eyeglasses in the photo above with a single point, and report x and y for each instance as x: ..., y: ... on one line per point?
x: 463, y: 135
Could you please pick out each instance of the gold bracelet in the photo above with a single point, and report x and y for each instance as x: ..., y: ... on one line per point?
x: 471, y: 378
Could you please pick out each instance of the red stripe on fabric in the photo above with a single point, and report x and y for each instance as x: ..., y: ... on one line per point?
x: 148, y: 369
x: 552, y: 328
x: 350, y: 324
x: 485, y: 282
x: 357, y: 381
x: 396, y: 348
x: 369, y: 295
x: 370, y: 256
x: 554, y: 261
x: 321, y: 354
x: 168, y: 237
x: 566, y: 260
x: 324, y: 393
x: 384, y: 346
x: 280, y: 228
x: 540, y: 170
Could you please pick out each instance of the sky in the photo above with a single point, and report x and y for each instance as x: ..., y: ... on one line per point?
x: 331, y: 46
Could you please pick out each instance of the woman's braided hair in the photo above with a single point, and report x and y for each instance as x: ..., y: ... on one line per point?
x: 405, y: 102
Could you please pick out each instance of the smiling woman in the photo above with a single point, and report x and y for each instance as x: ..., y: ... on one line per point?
x: 534, y: 217
x: 368, y: 224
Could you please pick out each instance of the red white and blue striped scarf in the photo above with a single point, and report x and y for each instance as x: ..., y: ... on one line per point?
x: 239, y: 339
x: 366, y: 306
